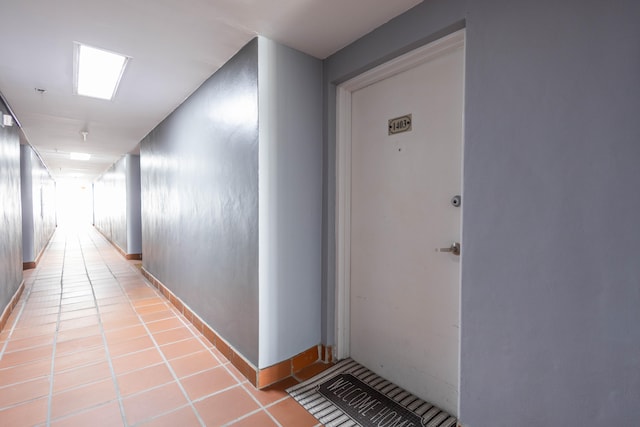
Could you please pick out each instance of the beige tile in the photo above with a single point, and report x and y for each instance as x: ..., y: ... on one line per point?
x: 182, y: 348
x: 167, y: 337
x: 107, y: 415
x: 77, y: 377
x: 78, y: 333
x: 25, y: 372
x: 165, y: 324
x: 208, y: 382
x: 225, y: 407
x: 290, y: 413
x: 82, y: 398
x: 182, y: 417
x: 144, y: 379
x: 81, y: 358
x: 79, y: 344
x: 24, y: 392
x: 27, y: 414
x: 131, y: 346
x: 158, y: 315
x: 193, y: 363
x: 124, y: 334
x: 26, y: 356
x: 260, y: 418
x: 147, y: 405
x: 273, y: 393
x: 134, y: 361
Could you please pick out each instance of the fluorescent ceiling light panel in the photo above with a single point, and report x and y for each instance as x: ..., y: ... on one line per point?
x: 79, y: 156
x: 97, y: 72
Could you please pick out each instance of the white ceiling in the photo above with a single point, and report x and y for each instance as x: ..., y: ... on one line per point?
x: 175, y: 45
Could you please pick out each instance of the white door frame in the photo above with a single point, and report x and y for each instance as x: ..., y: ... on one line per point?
x: 343, y: 173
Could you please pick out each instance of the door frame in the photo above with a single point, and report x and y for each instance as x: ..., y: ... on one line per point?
x: 344, y: 92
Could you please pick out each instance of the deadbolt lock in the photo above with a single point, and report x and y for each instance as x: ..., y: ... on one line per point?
x: 456, y: 201
x: 454, y: 249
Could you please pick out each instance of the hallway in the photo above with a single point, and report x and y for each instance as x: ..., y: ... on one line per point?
x: 90, y: 342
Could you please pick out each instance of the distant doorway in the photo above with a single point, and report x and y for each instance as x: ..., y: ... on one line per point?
x: 74, y: 204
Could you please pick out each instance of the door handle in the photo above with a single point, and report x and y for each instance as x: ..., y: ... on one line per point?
x: 454, y: 249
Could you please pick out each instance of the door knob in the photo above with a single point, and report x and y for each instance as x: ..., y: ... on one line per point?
x: 454, y: 249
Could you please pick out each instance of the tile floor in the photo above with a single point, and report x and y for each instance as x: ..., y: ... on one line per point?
x: 92, y: 343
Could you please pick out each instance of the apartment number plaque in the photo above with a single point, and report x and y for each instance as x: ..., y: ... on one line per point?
x: 400, y: 124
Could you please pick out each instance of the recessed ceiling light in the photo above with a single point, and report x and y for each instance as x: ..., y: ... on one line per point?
x: 79, y: 156
x: 97, y: 72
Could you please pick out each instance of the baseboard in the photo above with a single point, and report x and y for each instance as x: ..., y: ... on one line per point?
x: 259, y: 378
x: 326, y: 354
x: 33, y: 264
x: 29, y: 265
x: 129, y: 257
x: 11, y: 306
x: 287, y: 368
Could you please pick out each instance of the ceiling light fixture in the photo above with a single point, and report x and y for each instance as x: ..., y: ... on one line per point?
x: 97, y: 72
x: 79, y: 156
x: 84, y: 134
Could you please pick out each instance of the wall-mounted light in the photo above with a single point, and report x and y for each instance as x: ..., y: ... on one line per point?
x: 97, y: 72
x: 7, y: 120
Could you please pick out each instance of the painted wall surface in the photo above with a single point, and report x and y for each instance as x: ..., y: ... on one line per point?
x: 26, y: 199
x: 550, y: 271
x: 134, y: 218
x: 200, y: 201
x: 38, y: 191
x: 116, y: 201
x: 290, y: 169
x: 10, y: 213
x: 110, y: 203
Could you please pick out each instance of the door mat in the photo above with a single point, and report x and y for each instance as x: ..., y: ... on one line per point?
x: 349, y: 395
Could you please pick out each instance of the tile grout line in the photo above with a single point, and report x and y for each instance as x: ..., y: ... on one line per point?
x: 247, y: 415
x: 155, y: 343
x: 55, y: 338
x: 104, y: 337
x: 241, y: 383
x: 15, y: 323
x: 23, y: 303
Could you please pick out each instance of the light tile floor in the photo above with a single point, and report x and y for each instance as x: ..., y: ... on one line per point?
x: 91, y: 343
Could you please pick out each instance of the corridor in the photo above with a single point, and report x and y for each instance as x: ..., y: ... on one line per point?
x: 90, y: 342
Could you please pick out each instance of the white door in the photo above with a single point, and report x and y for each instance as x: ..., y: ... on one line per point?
x: 404, y: 302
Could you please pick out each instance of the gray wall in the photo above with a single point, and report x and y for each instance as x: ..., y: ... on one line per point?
x: 116, y: 204
x: 26, y: 199
x: 10, y: 212
x: 134, y: 219
x: 290, y: 201
x: 200, y: 201
x: 550, y: 267
x: 551, y: 283
x: 232, y: 209
x: 38, y: 204
x: 110, y: 203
